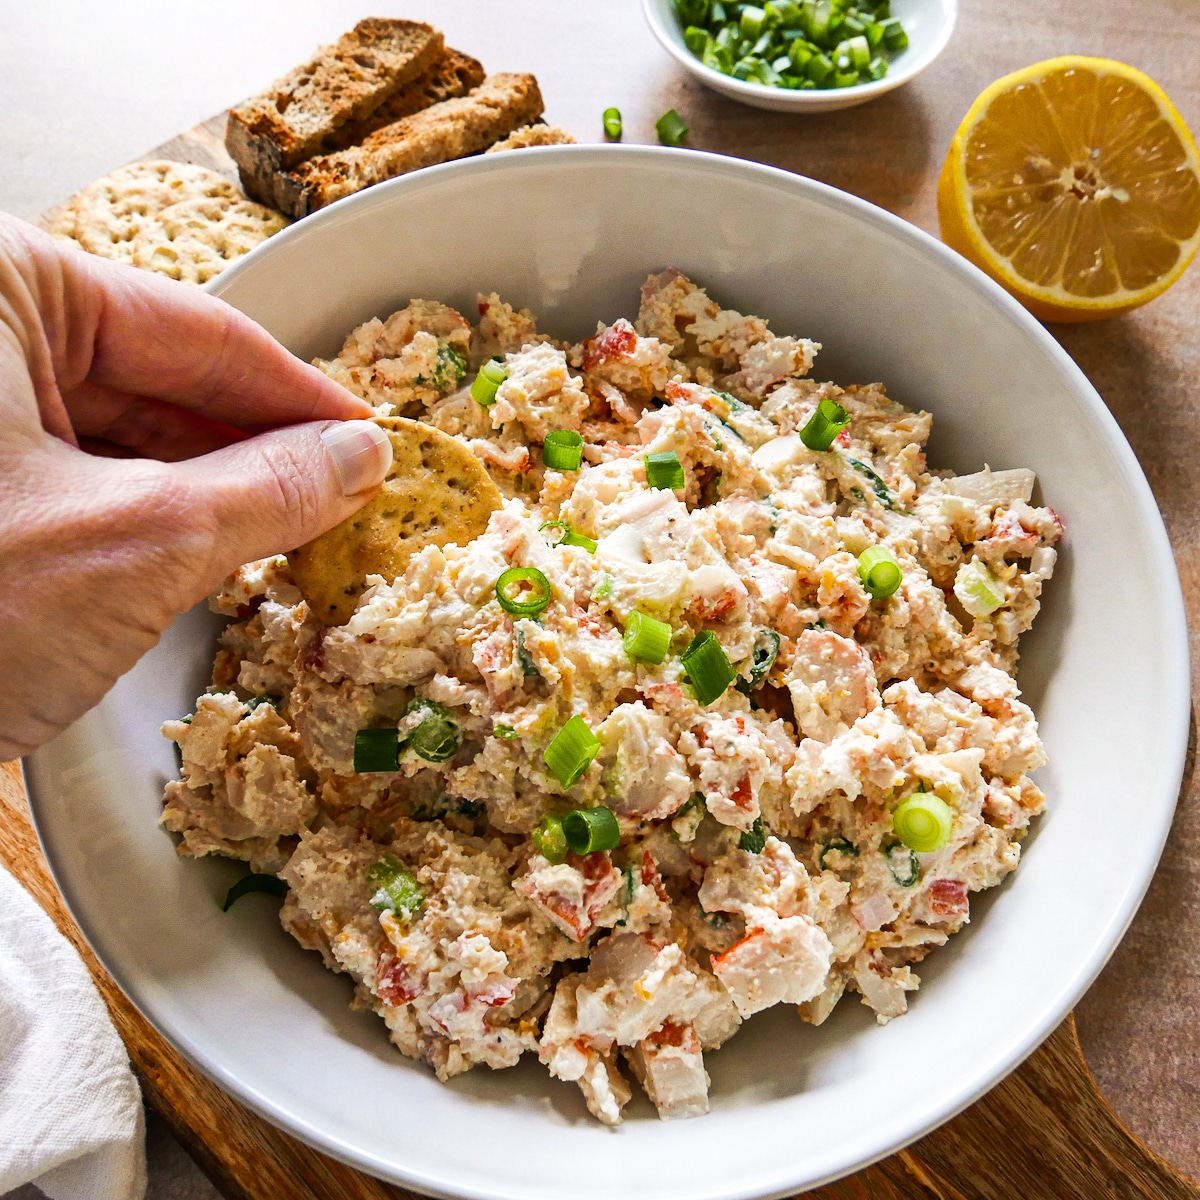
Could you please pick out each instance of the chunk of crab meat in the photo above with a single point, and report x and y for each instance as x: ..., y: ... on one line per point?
x: 669, y: 1064
x: 605, y: 1090
x: 994, y: 487
x: 783, y: 962
x: 832, y: 683
x: 643, y: 774
x: 572, y: 894
x: 632, y: 987
x: 883, y: 986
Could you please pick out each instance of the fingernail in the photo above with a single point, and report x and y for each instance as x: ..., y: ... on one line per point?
x: 361, y: 454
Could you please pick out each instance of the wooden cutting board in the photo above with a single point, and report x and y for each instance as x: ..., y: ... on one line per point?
x: 1044, y: 1133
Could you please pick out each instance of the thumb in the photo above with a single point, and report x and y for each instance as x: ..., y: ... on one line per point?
x: 276, y: 491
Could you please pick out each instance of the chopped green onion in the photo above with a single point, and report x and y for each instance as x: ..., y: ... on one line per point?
x: 819, y: 70
x: 828, y: 420
x: 487, y: 383
x: 571, y: 752
x: 696, y: 40
x: 664, y: 470
x: 255, y: 701
x: 588, y: 830
x: 505, y: 732
x: 874, y: 34
x: 398, y: 891
x: 523, y: 591
x: 438, y: 737
x: 752, y: 21
x: 894, y: 37
x: 450, y: 369
x: 689, y: 818
x: 549, y: 840
x: 671, y: 128
x: 612, y: 117
x: 569, y: 537
x: 272, y: 885
x: 902, y: 864
x: 562, y: 450
x: 693, y: 12
x: 376, y: 750
x: 977, y: 589
x: 879, y: 571
x: 923, y: 822
x: 878, y: 68
x: 524, y: 658
x: 707, y: 667
x: 766, y: 650
x: 882, y: 494
x: 754, y: 839
x: 837, y: 845
x: 646, y: 638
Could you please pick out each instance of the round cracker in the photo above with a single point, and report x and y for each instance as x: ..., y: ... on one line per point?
x: 195, y: 240
x: 110, y: 212
x: 437, y: 492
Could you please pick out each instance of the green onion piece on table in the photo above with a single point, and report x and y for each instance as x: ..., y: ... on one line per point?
x: 588, y: 830
x: 837, y: 845
x: 562, y: 450
x: 523, y: 591
x: 487, y: 383
x: 977, y: 589
x: 568, y: 536
x: 664, y: 470
x: 376, y: 750
x: 571, y: 752
x: 438, y: 737
x: 671, y: 128
x: 612, y: 120
x: 398, y: 889
x: 879, y: 571
x: 549, y: 839
x: 646, y: 638
x: 827, y: 421
x: 923, y: 822
x: 754, y: 839
x: 902, y: 864
x: 707, y: 667
x: 272, y: 885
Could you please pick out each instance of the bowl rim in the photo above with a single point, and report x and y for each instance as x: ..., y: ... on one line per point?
x: 1176, y: 686
x: 657, y: 18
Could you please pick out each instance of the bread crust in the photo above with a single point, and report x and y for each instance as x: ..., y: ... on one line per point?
x: 448, y: 130
x: 341, y: 83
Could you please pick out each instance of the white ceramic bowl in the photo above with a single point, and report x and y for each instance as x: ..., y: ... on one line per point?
x: 928, y: 23
x: 571, y: 232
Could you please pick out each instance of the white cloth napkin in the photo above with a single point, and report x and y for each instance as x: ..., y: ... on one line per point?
x: 70, y: 1109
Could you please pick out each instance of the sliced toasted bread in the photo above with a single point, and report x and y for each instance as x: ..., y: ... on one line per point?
x: 453, y: 74
x: 344, y: 82
x: 540, y: 134
x: 445, y: 131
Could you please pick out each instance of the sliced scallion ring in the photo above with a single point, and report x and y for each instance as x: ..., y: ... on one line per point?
x: 902, y: 864
x: 562, y: 450
x: 977, y: 589
x: 588, y: 830
x: 398, y: 891
x: 438, y: 737
x: 571, y: 752
x: 837, y: 845
x: 646, y: 638
x: 671, y: 128
x: 376, y: 750
x: 523, y: 591
x: 487, y: 383
x: 549, y: 840
x: 664, y: 470
x: 612, y: 124
x: 879, y: 571
x: 923, y: 822
x: 707, y: 667
x: 827, y: 421
x: 568, y: 536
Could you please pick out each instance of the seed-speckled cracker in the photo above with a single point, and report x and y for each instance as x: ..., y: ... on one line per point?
x: 437, y: 492
x: 195, y: 240
x: 111, y: 212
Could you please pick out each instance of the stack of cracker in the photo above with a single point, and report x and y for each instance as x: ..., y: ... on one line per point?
x: 387, y: 98
x: 178, y: 219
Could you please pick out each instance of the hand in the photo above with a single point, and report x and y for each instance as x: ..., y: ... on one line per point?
x: 151, y: 440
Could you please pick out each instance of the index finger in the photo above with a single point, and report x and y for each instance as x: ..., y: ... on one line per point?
x: 135, y: 332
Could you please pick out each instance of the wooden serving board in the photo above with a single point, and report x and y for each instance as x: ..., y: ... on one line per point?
x: 1044, y: 1133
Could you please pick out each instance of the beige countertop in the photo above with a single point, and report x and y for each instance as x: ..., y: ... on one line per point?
x: 85, y: 87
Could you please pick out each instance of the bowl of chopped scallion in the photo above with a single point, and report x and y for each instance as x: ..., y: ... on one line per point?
x: 803, y: 55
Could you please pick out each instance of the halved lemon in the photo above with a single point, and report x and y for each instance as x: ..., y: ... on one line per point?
x: 1075, y: 184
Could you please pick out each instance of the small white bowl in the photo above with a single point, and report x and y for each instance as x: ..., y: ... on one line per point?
x: 928, y: 23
